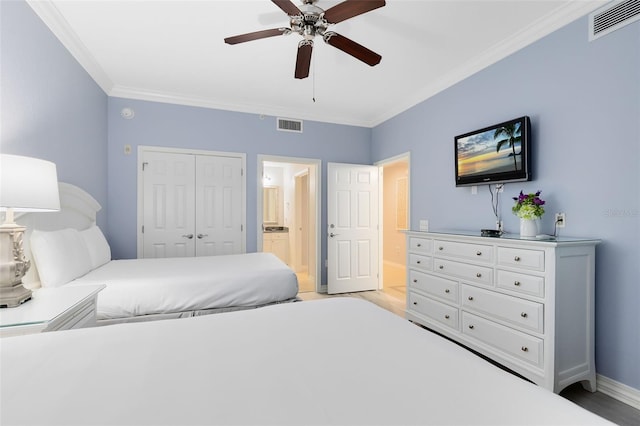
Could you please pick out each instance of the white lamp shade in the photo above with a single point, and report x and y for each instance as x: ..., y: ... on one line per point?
x: 28, y: 184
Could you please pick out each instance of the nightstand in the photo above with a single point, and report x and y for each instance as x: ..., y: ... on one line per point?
x: 52, y: 309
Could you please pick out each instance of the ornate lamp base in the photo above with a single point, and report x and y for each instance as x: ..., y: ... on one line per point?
x: 14, y: 296
x: 13, y: 266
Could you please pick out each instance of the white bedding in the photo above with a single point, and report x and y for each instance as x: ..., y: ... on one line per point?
x: 138, y: 287
x: 338, y: 361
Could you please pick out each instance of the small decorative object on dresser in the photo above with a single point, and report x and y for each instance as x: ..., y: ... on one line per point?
x: 528, y: 208
x: 526, y: 304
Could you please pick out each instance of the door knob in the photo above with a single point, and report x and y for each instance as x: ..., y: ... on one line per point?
x: 333, y: 235
x: 201, y: 236
x: 188, y: 236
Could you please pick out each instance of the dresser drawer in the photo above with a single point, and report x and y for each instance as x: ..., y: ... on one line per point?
x: 469, y: 272
x: 432, y: 285
x: 440, y: 312
x: 476, y: 252
x: 419, y: 261
x: 521, y: 258
x: 507, y: 308
x: 419, y: 245
x: 522, y: 283
x: 513, y: 342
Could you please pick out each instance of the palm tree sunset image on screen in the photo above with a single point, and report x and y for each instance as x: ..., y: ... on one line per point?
x: 512, y: 136
x: 494, y: 154
x: 483, y: 152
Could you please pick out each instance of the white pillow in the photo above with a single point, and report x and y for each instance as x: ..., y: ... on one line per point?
x: 60, y: 256
x: 97, y: 246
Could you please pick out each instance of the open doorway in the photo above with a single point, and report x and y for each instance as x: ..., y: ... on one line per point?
x: 394, y: 217
x: 289, y: 215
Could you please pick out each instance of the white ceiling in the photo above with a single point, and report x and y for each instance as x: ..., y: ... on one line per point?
x: 173, y: 51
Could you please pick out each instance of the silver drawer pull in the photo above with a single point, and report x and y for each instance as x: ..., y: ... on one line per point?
x: 516, y: 283
x: 415, y: 303
x: 447, y: 291
x: 524, y: 315
x: 446, y: 317
x: 441, y: 266
x: 478, y: 275
x: 415, y: 280
x: 517, y: 258
x: 470, y: 298
x: 471, y: 326
x: 524, y: 349
x: 440, y: 248
x: 418, y: 245
x: 418, y: 262
x: 478, y: 253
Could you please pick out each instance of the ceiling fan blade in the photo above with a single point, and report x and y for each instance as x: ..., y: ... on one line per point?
x: 354, y: 49
x: 350, y: 8
x: 288, y: 7
x: 303, y: 61
x: 257, y: 35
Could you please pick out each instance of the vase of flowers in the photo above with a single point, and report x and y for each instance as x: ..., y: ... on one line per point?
x: 529, y: 208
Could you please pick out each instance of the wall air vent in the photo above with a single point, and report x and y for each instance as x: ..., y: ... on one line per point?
x: 612, y: 17
x: 289, y: 125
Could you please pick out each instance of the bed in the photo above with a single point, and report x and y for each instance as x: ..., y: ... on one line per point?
x: 337, y: 361
x: 67, y: 248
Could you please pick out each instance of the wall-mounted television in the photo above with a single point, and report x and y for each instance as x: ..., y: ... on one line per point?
x: 494, y: 154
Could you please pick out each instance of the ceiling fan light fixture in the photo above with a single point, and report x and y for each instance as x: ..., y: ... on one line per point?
x: 309, y: 20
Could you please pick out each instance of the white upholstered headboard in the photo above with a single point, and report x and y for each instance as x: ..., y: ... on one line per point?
x: 77, y: 210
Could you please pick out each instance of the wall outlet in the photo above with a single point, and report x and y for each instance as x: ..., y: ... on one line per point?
x: 561, y: 220
x: 474, y: 190
x: 424, y: 225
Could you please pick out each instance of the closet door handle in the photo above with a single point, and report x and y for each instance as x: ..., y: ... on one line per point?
x: 188, y: 236
x: 201, y: 236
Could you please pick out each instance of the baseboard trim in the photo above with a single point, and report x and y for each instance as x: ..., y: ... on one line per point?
x: 619, y: 391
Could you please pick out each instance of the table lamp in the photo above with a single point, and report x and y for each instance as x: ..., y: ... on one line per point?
x: 26, y: 185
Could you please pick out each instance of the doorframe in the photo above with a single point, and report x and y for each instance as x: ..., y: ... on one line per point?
x: 142, y: 149
x: 312, y: 162
x: 406, y: 156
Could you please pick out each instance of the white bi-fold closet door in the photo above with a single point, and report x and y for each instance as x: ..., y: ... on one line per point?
x: 192, y: 204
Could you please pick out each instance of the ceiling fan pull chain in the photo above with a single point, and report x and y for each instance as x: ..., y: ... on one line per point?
x: 313, y: 96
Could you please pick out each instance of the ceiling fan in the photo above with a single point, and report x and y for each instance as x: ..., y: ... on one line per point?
x: 308, y: 20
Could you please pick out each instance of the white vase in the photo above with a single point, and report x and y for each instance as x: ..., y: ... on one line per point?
x: 528, y: 228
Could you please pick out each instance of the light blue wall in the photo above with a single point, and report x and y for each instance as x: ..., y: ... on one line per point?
x: 584, y: 102
x: 51, y: 108
x: 169, y: 125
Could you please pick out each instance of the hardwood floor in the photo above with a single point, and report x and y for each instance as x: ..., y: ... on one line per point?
x: 392, y: 299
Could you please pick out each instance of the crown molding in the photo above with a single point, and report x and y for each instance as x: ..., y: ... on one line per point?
x: 54, y: 20
x: 260, y: 109
x: 561, y: 16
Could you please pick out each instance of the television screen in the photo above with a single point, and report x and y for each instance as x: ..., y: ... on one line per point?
x: 495, y: 154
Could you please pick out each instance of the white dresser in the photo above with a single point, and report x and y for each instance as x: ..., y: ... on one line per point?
x: 526, y: 304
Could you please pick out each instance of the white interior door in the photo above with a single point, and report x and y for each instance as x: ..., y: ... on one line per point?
x: 192, y: 204
x: 218, y: 205
x: 352, y: 234
x: 168, y: 200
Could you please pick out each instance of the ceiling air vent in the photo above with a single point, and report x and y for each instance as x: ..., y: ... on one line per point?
x: 289, y: 125
x: 612, y: 17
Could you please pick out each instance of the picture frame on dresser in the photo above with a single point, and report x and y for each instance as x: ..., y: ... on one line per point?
x: 526, y: 304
